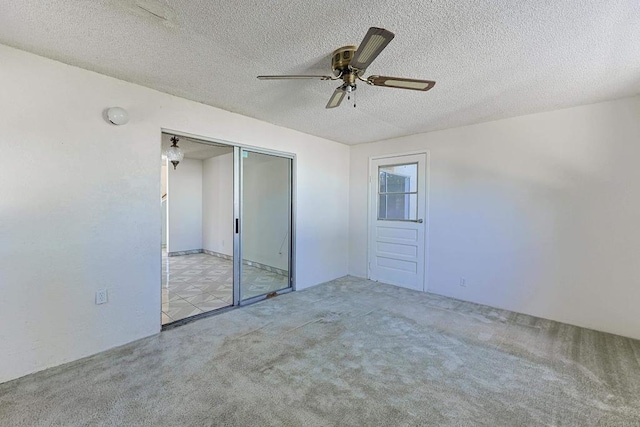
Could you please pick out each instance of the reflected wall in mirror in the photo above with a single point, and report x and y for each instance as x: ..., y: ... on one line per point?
x: 266, y: 223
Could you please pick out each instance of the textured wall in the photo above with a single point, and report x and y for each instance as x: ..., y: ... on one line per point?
x: 79, y: 208
x: 538, y: 213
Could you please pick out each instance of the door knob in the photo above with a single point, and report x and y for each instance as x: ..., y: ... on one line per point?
x: 419, y: 221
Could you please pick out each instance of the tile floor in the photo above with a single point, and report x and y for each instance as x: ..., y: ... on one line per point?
x: 198, y: 283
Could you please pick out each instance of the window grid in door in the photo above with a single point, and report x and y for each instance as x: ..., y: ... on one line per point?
x: 398, y: 192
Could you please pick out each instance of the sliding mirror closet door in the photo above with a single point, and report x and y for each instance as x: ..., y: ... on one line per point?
x: 265, y: 224
x: 197, y: 204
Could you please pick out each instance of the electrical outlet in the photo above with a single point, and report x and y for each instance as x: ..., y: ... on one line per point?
x: 463, y: 282
x: 101, y: 296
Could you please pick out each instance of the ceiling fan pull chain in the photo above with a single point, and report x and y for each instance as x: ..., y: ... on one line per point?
x: 354, y: 100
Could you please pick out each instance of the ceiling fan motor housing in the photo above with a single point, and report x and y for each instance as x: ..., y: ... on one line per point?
x: 341, y: 58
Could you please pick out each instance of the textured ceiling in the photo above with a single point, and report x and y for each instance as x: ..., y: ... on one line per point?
x: 491, y: 59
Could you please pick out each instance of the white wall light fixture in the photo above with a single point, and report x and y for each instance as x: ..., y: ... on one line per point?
x: 174, y: 153
x: 118, y: 116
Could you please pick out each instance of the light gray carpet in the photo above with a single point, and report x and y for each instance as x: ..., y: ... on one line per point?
x: 350, y: 352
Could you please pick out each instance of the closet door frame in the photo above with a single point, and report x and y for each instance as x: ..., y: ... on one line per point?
x: 238, y: 216
x: 237, y: 210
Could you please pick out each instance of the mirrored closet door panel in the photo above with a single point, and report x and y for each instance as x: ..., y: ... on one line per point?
x: 265, y: 224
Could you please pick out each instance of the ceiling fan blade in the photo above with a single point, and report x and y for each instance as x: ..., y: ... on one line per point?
x: 336, y: 98
x: 293, y: 77
x: 401, y: 83
x: 373, y: 43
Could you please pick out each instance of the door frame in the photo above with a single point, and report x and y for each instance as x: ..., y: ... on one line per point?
x: 427, y: 220
x: 237, y: 208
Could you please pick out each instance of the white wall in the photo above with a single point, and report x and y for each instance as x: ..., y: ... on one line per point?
x: 539, y: 213
x: 217, y: 204
x: 265, y: 209
x: 79, y: 207
x: 185, y: 206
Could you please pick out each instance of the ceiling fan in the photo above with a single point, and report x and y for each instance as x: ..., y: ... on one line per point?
x: 348, y: 63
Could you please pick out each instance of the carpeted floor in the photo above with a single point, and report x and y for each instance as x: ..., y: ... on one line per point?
x: 349, y: 352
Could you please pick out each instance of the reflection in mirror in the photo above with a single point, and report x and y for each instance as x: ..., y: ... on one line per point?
x: 266, y: 223
x: 197, y: 255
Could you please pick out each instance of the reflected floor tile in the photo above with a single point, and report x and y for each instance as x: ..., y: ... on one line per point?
x: 180, y: 309
x: 191, y: 272
x: 212, y: 305
x: 189, y: 292
x: 180, y: 286
x: 166, y: 319
x: 196, y: 278
x: 195, y: 300
x: 226, y: 297
x: 168, y: 296
x: 215, y: 287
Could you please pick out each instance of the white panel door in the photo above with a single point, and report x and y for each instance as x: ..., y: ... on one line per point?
x: 397, y: 222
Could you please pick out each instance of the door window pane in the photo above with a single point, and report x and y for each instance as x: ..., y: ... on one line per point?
x: 399, y: 178
x: 398, y: 192
x: 398, y: 206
